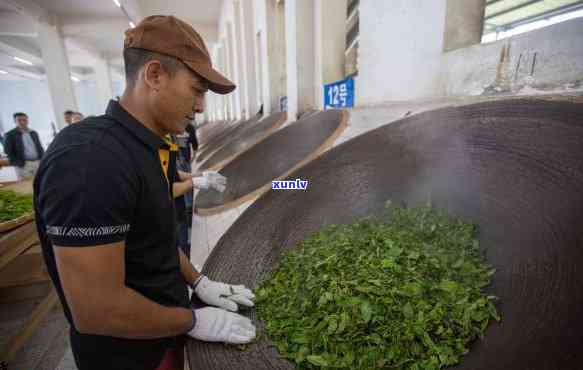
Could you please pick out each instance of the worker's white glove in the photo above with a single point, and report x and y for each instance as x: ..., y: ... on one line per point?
x: 223, y: 295
x: 217, y: 181
x: 216, y: 325
x: 210, y: 179
x: 201, y: 183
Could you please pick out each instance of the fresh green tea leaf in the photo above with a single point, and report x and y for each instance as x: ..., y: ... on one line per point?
x: 400, y: 291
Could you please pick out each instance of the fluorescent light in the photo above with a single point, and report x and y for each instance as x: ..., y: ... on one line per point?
x: 75, y: 79
x: 117, y: 3
x: 132, y: 25
x: 22, y: 60
x: 3, y: 72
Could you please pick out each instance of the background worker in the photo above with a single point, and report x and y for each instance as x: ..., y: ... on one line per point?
x: 23, y: 147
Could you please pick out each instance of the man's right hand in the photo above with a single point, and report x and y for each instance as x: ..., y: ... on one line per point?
x: 210, y: 179
x: 217, y: 325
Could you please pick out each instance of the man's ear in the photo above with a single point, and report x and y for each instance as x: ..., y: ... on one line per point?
x: 153, y: 75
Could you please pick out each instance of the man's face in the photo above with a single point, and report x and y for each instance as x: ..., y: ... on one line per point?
x: 69, y: 118
x: 22, y: 121
x: 179, y: 98
x: 76, y: 117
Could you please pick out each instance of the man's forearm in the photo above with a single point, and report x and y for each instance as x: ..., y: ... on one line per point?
x: 181, y: 188
x: 188, y: 271
x: 134, y: 316
x: 183, y: 176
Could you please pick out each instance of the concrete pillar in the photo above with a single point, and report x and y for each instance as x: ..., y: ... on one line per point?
x: 208, y: 108
x: 211, y: 98
x: 249, y: 55
x: 464, y: 22
x: 206, y: 114
x: 242, y: 50
x: 57, y: 69
x: 275, y: 70
x: 103, y: 83
x: 299, y: 31
x: 330, y: 43
x: 400, y: 50
x: 229, y: 100
x: 261, y: 55
x: 233, y: 62
x: 220, y: 99
x: 291, y: 46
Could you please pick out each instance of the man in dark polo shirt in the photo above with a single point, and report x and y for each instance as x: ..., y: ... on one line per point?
x: 106, y: 221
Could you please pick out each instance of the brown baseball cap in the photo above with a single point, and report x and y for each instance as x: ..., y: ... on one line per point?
x: 170, y: 36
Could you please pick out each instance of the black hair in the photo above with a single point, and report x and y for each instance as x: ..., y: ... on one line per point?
x: 19, y: 114
x: 134, y: 59
x: 67, y: 112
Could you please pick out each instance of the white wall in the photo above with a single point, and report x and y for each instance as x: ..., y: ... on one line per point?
x: 559, y: 60
x: 275, y: 42
x: 31, y: 97
x: 400, y: 50
x: 401, y: 57
x: 305, y: 56
x: 86, y: 93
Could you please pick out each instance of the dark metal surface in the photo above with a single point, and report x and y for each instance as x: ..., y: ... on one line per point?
x: 245, y: 139
x: 513, y: 167
x: 220, y: 139
x: 206, y: 132
x: 272, y: 158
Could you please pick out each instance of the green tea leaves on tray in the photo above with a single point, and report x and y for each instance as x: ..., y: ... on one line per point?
x: 14, y: 205
x: 399, y: 291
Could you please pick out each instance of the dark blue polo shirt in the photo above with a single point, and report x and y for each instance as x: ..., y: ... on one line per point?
x: 107, y: 181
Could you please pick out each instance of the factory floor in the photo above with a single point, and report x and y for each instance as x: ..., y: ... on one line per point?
x: 49, y: 349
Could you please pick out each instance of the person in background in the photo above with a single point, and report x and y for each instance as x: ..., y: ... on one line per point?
x: 23, y: 147
x: 68, y: 114
x: 77, y: 116
x: 192, y: 142
x: 189, y: 155
x: 187, y: 145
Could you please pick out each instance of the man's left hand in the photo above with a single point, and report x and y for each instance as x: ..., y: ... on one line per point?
x: 223, y: 295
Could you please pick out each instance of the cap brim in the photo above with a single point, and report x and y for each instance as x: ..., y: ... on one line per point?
x: 217, y: 82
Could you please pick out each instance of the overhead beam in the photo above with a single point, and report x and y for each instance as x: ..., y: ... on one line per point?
x: 15, y: 24
x: 133, y: 10
x: 82, y: 26
x: 22, y: 73
x: 28, y: 8
x: 20, y: 51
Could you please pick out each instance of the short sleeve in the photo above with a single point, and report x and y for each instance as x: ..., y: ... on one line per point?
x: 87, y: 196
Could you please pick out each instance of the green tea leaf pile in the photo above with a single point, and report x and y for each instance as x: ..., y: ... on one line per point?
x: 400, y: 291
x: 14, y: 205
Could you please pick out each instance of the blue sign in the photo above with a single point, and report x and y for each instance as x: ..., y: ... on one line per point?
x: 339, y: 94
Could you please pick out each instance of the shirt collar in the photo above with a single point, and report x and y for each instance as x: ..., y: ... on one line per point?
x: 115, y: 110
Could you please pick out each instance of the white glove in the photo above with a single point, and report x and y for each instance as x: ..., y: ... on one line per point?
x: 210, y: 179
x: 223, y: 295
x: 201, y: 183
x: 216, y: 180
x: 216, y: 325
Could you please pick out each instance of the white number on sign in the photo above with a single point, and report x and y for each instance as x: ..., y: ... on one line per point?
x: 333, y: 94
